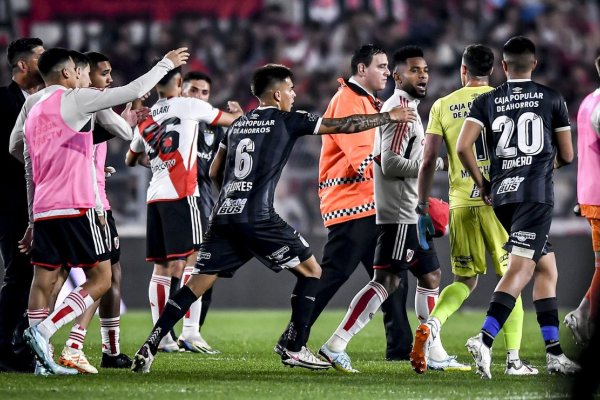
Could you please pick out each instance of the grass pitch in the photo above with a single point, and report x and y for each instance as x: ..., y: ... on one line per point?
x: 248, y: 368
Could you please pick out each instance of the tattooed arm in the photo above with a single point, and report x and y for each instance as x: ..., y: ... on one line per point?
x: 362, y: 122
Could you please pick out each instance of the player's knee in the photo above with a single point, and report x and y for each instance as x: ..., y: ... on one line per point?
x: 430, y: 280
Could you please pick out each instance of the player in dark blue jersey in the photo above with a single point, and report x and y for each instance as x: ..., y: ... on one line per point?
x: 245, y: 225
x: 526, y: 134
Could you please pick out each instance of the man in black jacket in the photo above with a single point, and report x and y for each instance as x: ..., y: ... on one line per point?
x: 22, y: 57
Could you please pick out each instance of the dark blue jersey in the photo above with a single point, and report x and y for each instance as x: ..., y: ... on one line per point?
x: 258, y: 147
x: 520, y: 119
x: 209, y: 138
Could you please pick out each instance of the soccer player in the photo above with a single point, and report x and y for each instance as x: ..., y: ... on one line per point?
x: 527, y: 132
x: 473, y: 225
x: 198, y: 85
x: 245, y: 225
x: 588, y: 164
x: 347, y: 200
x: 57, y: 123
x: 398, y: 152
x: 109, y: 305
x: 169, y: 138
x: 22, y: 56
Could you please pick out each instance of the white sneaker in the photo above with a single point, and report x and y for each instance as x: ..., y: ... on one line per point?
x: 304, y: 358
x: 168, y: 345
x: 143, y: 359
x: 448, y: 364
x: 519, y: 367
x: 40, y: 370
x: 196, y: 344
x: 579, y: 326
x: 74, y: 358
x: 420, y: 351
x: 42, y: 351
x: 340, y: 361
x: 481, y: 354
x: 561, y: 365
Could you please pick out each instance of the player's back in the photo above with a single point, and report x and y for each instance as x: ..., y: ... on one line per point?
x: 258, y: 147
x: 446, y: 119
x: 520, y: 118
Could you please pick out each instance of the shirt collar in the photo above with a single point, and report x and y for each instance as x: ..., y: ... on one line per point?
x: 352, y: 80
x: 405, y: 94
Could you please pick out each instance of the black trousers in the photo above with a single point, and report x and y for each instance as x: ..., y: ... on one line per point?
x: 348, y: 244
x: 14, y: 294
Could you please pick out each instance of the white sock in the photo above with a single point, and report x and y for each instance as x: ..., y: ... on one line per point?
x: 76, y: 337
x: 191, y: 320
x: 110, y: 330
x: 425, y: 300
x: 37, y: 315
x: 158, y: 293
x: 513, y: 355
x: 73, y: 306
x: 362, y: 308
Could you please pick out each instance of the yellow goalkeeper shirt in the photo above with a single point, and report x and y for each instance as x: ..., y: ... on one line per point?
x: 446, y: 118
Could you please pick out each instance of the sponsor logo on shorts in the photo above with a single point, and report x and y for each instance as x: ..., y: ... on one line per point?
x: 232, y: 206
x: 279, y: 254
x: 203, y: 255
x: 509, y: 185
x: 462, y: 261
x: 116, y: 242
x: 522, y: 236
x: 409, y: 254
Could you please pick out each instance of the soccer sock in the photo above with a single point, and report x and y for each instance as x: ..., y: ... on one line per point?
x: 174, y: 311
x: 191, y: 320
x: 547, y: 317
x: 362, y: 308
x: 76, y: 337
x: 158, y: 293
x: 450, y: 300
x: 500, y: 308
x: 303, y: 301
x: 513, y: 327
x: 425, y: 300
x: 73, y: 306
x: 37, y: 315
x: 206, y: 300
x: 593, y: 293
x: 110, y: 330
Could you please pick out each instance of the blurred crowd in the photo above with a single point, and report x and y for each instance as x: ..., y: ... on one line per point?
x: 316, y: 38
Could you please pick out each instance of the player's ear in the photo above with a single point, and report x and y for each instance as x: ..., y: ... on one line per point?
x: 361, y: 67
x: 22, y: 65
x: 277, y: 95
x: 534, y: 64
x: 504, y: 66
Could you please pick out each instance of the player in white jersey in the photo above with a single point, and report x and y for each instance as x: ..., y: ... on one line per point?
x: 169, y: 137
x: 66, y: 231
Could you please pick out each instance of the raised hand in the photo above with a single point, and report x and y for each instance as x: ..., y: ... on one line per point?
x: 178, y: 56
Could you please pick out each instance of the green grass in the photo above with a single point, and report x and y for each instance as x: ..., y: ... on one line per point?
x: 248, y: 368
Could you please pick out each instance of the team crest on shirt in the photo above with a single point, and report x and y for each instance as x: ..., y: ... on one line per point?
x: 209, y: 137
x: 409, y: 254
x: 517, y: 90
x: 116, y: 242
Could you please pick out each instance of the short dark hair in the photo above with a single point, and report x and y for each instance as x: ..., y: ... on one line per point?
x: 364, y: 55
x: 518, y: 53
x: 406, y: 52
x: 197, y: 76
x: 52, y: 59
x: 80, y: 59
x: 267, y: 75
x: 20, y: 48
x: 95, y: 58
x: 478, y: 59
x: 170, y: 75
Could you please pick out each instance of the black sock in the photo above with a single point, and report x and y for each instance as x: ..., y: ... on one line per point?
x: 501, y: 306
x: 206, y: 300
x: 174, y: 288
x: 547, y: 316
x: 174, y: 310
x: 303, y: 301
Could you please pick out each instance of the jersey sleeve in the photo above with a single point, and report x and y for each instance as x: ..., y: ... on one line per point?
x: 137, y: 143
x: 435, y: 119
x: 394, y: 142
x: 476, y: 114
x: 560, y: 115
x: 202, y: 111
x: 300, y: 123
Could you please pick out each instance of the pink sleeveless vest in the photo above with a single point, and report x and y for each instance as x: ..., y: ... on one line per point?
x: 100, y: 162
x: 588, y: 152
x: 61, y: 159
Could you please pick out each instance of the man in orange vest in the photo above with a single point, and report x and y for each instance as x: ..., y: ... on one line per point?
x: 347, y: 198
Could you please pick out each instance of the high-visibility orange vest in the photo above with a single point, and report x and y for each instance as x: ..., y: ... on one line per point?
x: 346, y: 163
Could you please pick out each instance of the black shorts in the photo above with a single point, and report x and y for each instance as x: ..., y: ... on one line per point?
x: 273, y: 242
x: 528, y: 225
x: 173, y: 229
x: 69, y: 242
x: 398, y: 250
x: 112, y: 238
